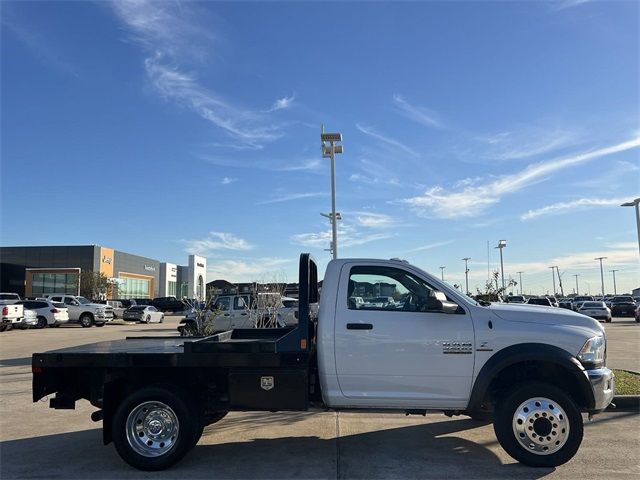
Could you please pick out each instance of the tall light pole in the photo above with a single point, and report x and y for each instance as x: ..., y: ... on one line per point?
x: 466, y: 274
x: 577, y: 291
x: 553, y: 277
x: 501, y: 245
x: 442, y: 273
x: 601, y: 273
x: 521, y: 290
x: 329, y: 150
x: 635, y: 203
x: 615, y: 291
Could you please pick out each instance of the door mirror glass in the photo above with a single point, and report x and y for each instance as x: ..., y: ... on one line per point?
x: 437, y: 302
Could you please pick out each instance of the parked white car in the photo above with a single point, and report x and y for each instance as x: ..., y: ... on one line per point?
x: 48, y: 313
x: 143, y: 313
x: 597, y: 310
x: 29, y: 319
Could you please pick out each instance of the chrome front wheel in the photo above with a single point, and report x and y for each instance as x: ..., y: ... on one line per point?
x: 152, y: 429
x: 541, y: 426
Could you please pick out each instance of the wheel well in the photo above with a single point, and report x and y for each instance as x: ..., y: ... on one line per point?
x: 543, y: 371
x: 86, y: 313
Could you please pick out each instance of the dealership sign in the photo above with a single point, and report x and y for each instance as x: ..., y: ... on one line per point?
x: 150, y: 268
x: 106, y: 259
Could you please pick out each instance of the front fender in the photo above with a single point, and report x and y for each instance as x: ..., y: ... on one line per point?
x: 530, y: 352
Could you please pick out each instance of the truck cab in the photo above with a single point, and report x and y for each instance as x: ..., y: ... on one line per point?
x: 83, y: 311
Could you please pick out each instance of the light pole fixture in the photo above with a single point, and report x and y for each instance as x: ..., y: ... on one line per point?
x: 442, y: 273
x: 601, y: 273
x: 577, y: 291
x: 615, y: 291
x: 329, y: 150
x: 501, y: 245
x: 521, y: 290
x: 466, y: 273
x: 635, y: 203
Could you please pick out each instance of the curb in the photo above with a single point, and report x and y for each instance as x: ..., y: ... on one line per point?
x: 625, y: 403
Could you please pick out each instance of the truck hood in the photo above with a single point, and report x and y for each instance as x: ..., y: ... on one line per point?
x: 545, y: 316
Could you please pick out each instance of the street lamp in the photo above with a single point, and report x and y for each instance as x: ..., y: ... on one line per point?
x: 329, y: 150
x: 466, y: 273
x: 615, y: 292
x: 635, y: 203
x: 501, y: 245
x: 521, y: 290
x: 577, y: 291
x: 601, y: 273
x: 553, y: 277
x: 442, y: 273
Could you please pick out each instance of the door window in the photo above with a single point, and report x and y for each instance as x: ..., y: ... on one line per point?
x: 389, y: 289
x: 69, y: 301
x: 241, y: 303
x: 222, y: 304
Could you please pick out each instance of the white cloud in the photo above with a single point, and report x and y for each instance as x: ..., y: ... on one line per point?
x: 373, y: 173
x: 528, y: 142
x: 422, y: 115
x: 564, y: 207
x: 282, y: 103
x: 474, y: 199
x: 247, y: 270
x: 228, y: 180
x: 308, y: 165
x: 565, y: 4
x: 216, y: 241
x: 375, y: 220
x: 432, y: 245
x: 288, y: 197
x: 388, y: 140
x: 348, y: 236
x: 170, y: 35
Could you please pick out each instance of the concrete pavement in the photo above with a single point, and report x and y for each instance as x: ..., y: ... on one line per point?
x: 37, y: 442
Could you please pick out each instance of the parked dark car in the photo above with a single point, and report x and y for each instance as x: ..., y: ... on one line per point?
x: 565, y: 303
x: 540, y: 301
x: 168, y: 304
x: 623, y: 306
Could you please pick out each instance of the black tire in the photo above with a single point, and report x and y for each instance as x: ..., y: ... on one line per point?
x: 608, y: 320
x: 86, y: 320
x: 3, y: 328
x: 189, y: 423
x: 148, y: 319
x: 42, y: 322
x: 504, y: 425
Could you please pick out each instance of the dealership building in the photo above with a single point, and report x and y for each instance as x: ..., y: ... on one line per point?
x: 41, y: 270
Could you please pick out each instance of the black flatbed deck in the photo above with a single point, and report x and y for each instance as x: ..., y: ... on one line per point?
x: 236, y: 348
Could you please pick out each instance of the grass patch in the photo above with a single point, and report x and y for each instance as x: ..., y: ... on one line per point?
x: 627, y: 383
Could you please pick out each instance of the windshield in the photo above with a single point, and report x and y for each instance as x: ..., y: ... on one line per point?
x: 9, y: 296
x: 593, y: 305
x: 622, y: 299
x: 138, y: 308
x: 82, y: 300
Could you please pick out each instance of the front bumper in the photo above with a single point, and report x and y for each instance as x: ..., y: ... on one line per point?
x: 603, y: 385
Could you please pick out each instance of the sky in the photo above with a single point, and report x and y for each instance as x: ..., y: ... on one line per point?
x: 169, y: 128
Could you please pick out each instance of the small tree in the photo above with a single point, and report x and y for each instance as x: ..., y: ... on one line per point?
x: 492, y: 292
x: 93, y: 285
x: 266, y: 301
x: 204, y: 318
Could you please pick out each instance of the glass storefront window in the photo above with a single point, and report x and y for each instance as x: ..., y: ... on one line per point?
x: 47, y: 283
x: 172, y: 289
x: 133, y: 288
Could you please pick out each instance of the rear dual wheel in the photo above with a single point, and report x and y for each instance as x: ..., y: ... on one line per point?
x: 539, y: 425
x: 156, y: 427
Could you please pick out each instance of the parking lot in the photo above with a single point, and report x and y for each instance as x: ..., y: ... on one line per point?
x: 36, y: 441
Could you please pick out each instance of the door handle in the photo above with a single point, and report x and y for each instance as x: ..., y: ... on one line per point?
x: 226, y: 315
x: 359, y: 326
x: 244, y: 314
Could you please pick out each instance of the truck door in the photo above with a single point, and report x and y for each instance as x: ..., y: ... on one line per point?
x: 223, y: 320
x: 240, y: 317
x: 400, y: 352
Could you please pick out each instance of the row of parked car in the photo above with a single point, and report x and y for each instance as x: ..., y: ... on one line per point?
x: 604, y: 308
x: 57, y: 309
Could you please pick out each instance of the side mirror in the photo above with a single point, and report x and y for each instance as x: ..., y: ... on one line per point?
x: 75, y: 303
x: 437, y: 302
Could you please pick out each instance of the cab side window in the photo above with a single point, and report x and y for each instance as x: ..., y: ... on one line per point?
x: 68, y: 301
x: 223, y: 304
x: 387, y: 288
x: 241, y: 303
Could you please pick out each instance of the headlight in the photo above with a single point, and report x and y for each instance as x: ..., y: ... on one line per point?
x: 593, y: 352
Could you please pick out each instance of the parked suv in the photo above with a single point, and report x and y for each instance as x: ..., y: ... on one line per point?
x: 48, y: 313
x: 623, y: 306
x: 83, y: 311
